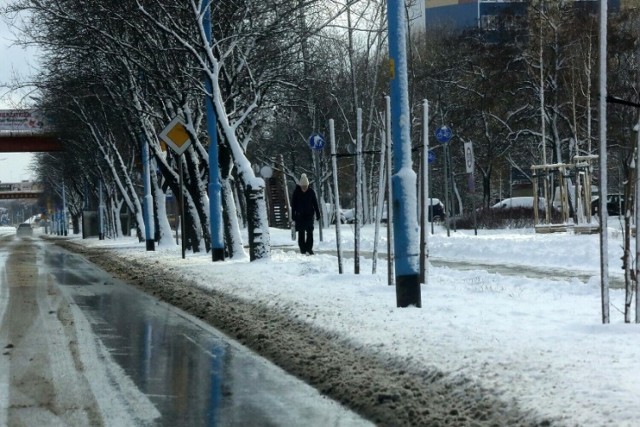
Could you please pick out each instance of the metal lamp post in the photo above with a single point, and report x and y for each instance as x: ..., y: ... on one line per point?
x: 147, y: 208
x: 148, y: 199
x: 215, y: 188
x: 405, y: 225
x: 64, y: 210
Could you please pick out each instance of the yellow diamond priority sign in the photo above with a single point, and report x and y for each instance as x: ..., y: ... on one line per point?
x: 176, y: 135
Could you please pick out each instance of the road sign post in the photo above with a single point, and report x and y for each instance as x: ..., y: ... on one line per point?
x: 316, y: 143
x: 444, y: 135
x: 177, y: 137
x: 469, y: 162
x: 468, y: 157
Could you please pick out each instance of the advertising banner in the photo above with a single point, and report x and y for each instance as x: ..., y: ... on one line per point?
x: 21, y: 120
x: 20, y: 187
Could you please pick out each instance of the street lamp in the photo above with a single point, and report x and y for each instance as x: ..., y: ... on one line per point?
x: 147, y: 204
x: 602, y: 115
x: 405, y: 223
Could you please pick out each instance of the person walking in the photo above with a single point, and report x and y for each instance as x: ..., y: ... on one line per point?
x: 303, y: 207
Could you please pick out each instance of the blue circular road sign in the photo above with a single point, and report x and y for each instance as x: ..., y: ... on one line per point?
x: 444, y: 134
x: 431, y: 157
x: 316, y: 141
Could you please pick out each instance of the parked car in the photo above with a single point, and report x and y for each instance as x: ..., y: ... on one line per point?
x: 615, y: 204
x: 436, y: 211
x: 347, y: 216
x: 24, y: 229
x: 520, y: 202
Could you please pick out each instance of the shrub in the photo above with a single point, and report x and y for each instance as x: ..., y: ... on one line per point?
x: 519, y: 217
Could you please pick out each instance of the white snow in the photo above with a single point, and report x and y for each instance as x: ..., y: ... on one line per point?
x: 4, y: 365
x: 539, y: 341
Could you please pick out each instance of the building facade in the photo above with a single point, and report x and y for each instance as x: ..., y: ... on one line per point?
x: 459, y: 14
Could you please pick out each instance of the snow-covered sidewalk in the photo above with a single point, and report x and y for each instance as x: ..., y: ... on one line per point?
x: 539, y: 342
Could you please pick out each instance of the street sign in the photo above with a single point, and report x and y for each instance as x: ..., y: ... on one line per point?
x: 432, y: 157
x: 444, y: 134
x: 468, y: 157
x: 316, y: 141
x: 176, y: 135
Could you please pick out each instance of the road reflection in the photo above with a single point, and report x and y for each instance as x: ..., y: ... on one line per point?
x: 192, y: 373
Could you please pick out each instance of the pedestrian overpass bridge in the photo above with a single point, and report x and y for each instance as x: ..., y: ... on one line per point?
x: 24, y: 131
x: 21, y: 142
x: 20, y: 190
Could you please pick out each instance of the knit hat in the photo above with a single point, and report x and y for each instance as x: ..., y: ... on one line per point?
x: 304, y: 182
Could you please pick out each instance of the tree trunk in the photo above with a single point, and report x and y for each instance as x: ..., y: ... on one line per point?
x: 232, y: 237
x: 200, y: 209
x: 75, y: 223
x: 259, y: 244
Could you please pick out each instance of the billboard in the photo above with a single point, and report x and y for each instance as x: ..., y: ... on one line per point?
x: 21, y: 120
x: 24, y: 186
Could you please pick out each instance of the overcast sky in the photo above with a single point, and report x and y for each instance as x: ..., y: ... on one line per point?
x: 20, y: 63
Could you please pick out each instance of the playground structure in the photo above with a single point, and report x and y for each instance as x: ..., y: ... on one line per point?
x: 547, y: 179
x: 584, y: 194
x: 553, y: 181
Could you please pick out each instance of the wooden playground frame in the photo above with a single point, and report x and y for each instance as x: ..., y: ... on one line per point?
x: 555, y: 176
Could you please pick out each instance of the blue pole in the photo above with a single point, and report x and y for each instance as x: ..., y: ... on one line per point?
x: 148, y: 200
x: 215, y: 203
x: 64, y: 210
x: 405, y: 224
x: 101, y: 214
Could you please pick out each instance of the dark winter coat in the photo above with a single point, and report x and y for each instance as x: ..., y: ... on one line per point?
x: 304, y: 206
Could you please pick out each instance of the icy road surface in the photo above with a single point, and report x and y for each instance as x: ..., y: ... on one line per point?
x: 80, y: 348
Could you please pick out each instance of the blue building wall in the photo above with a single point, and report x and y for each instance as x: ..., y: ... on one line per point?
x: 499, y: 8
x: 456, y: 16
x: 465, y: 15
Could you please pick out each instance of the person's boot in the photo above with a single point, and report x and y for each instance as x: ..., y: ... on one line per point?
x: 310, y: 251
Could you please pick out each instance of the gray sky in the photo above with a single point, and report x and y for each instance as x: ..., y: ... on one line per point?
x: 15, y: 62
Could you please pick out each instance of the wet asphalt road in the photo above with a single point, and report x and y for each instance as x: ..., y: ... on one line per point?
x: 192, y: 374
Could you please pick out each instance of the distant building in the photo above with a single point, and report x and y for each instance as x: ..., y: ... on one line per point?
x: 629, y: 4
x: 460, y: 14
